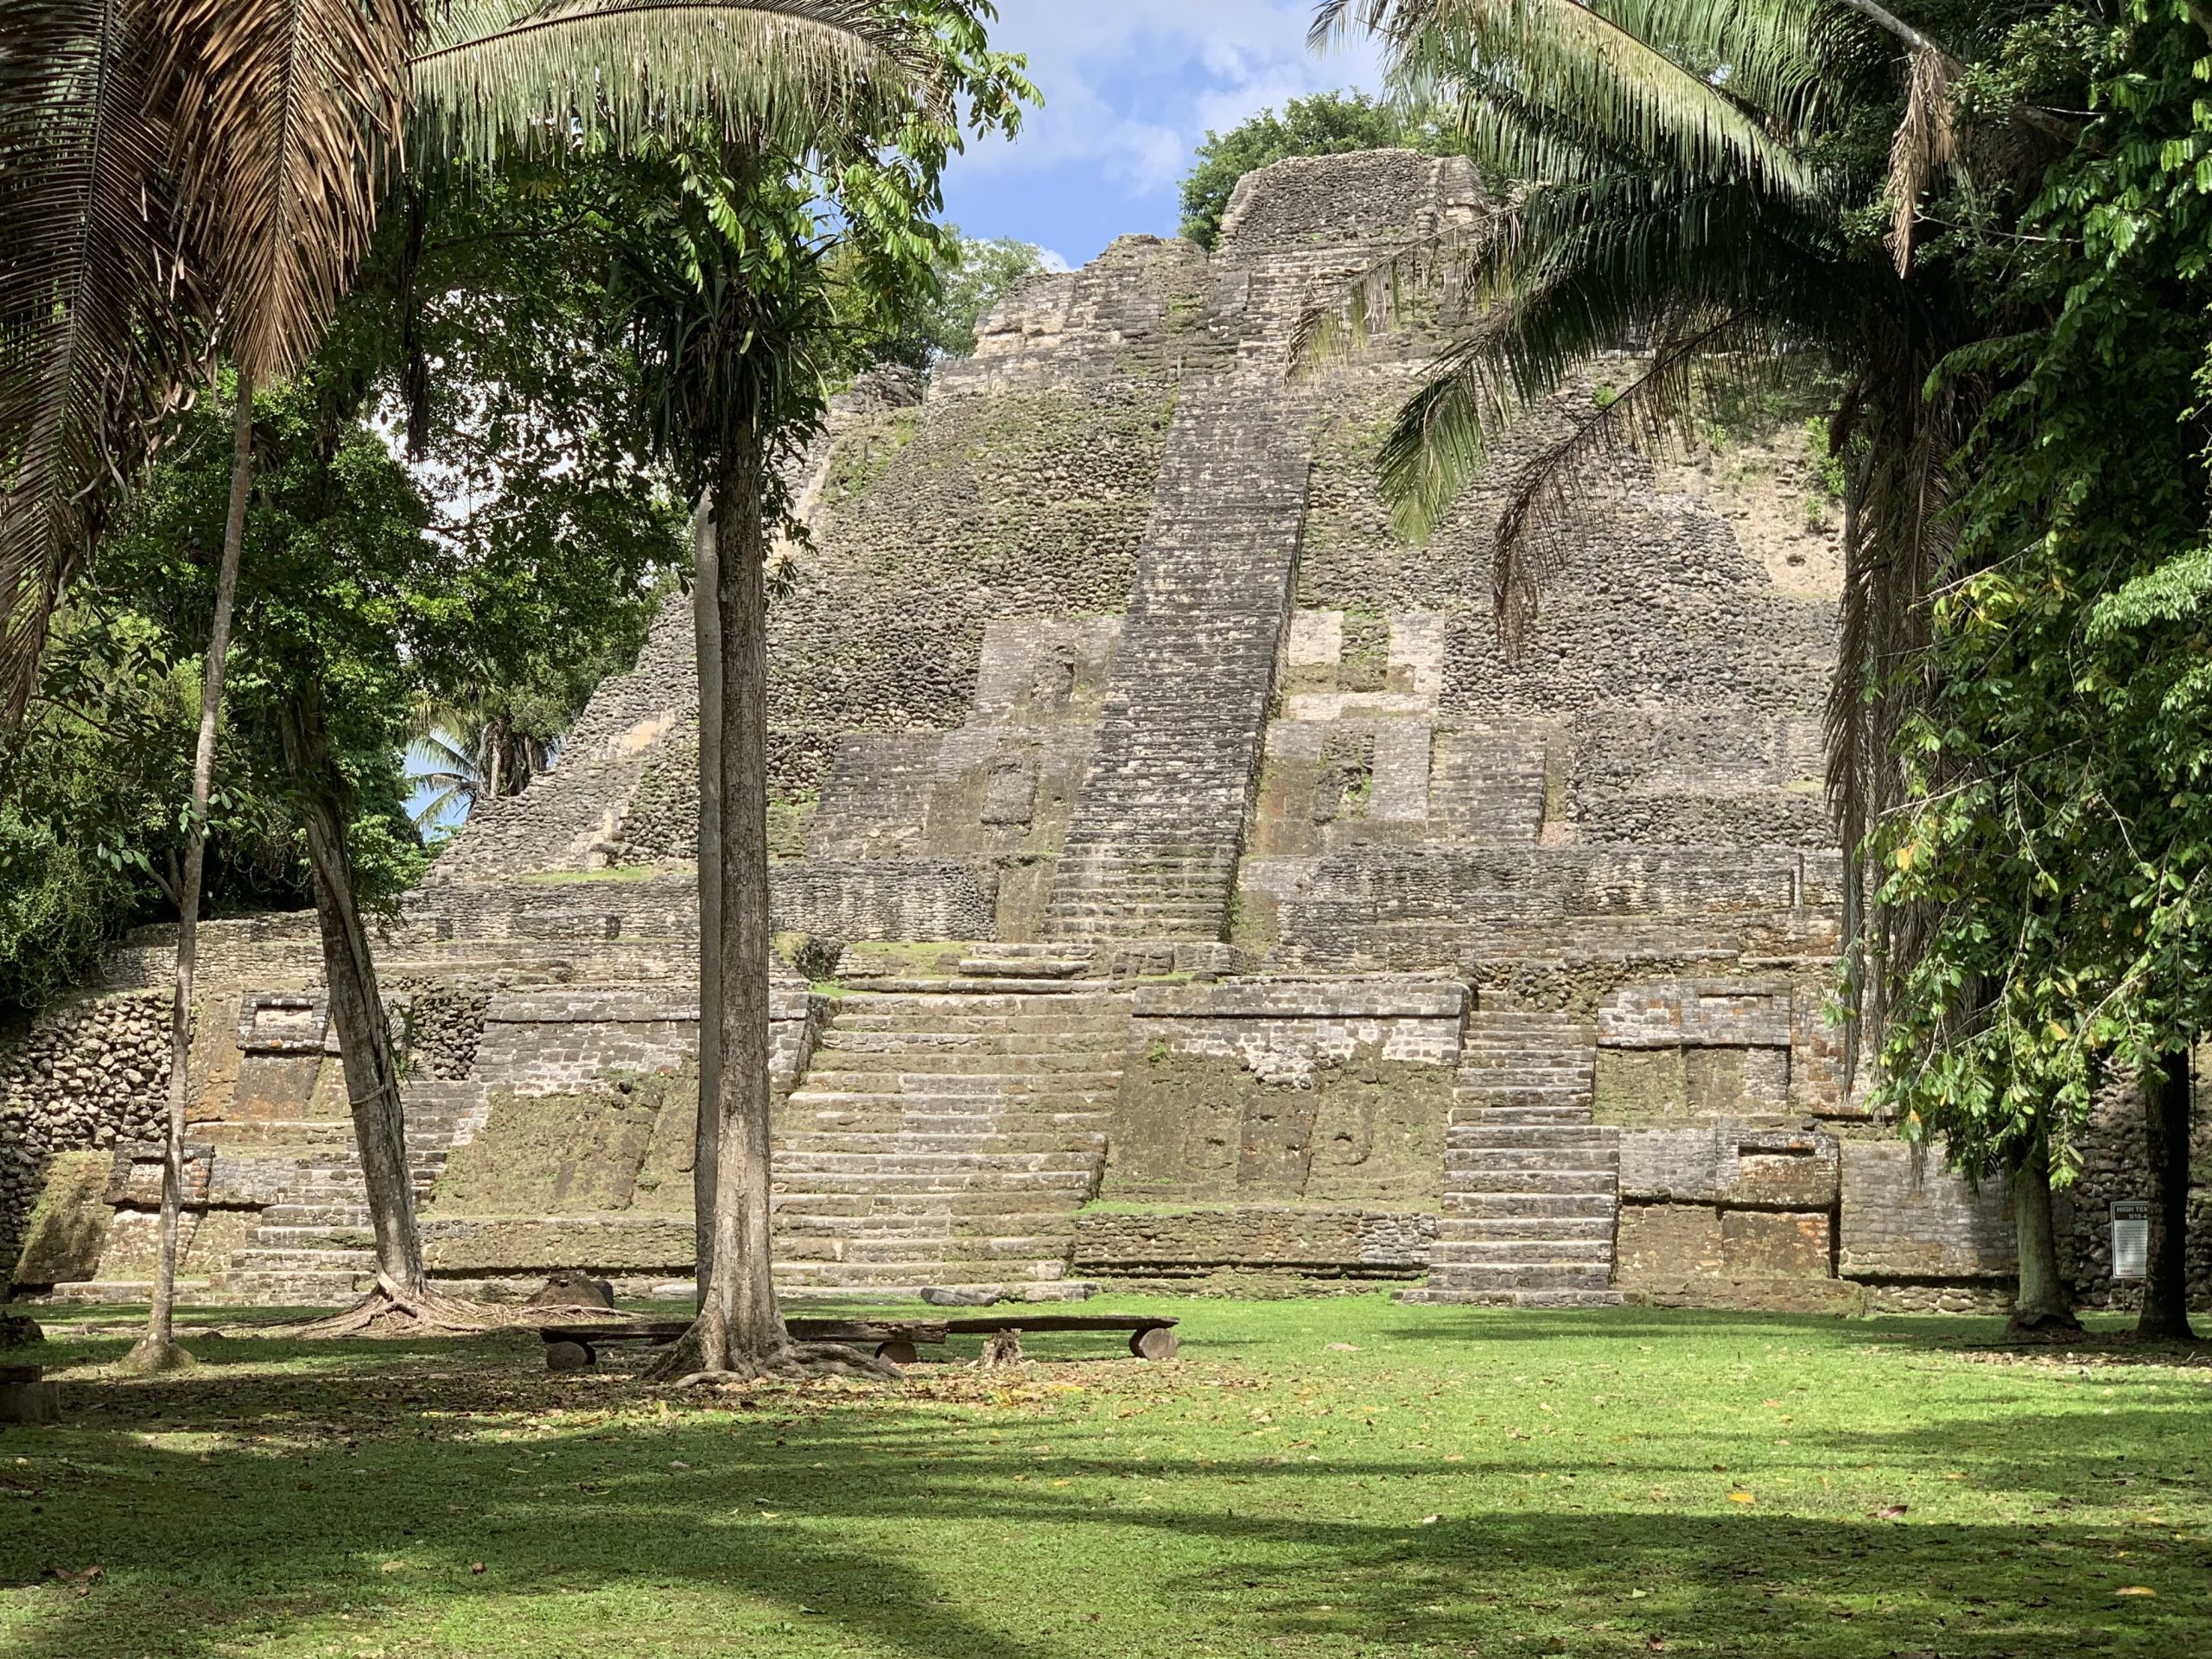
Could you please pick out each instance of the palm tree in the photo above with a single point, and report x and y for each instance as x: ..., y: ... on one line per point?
x: 201, y: 178
x: 481, y: 747
x: 1694, y: 175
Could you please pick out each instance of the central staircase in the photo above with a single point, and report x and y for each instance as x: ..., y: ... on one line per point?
x: 1531, y: 1185
x: 947, y: 1137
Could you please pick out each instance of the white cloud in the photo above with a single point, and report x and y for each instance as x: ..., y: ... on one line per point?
x: 1131, y: 86
x: 1056, y: 263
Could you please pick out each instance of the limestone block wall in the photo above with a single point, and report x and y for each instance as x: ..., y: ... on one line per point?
x: 87, y: 1073
x: 1271, y: 1124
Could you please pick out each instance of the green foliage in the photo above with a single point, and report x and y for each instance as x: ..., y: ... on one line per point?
x: 971, y: 277
x: 1327, y: 124
x: 2055, y: 847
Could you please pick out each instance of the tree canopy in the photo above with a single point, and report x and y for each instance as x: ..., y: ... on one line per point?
x: 1327, y: 124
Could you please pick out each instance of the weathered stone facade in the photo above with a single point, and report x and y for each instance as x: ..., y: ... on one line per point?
x: 1180, y: 883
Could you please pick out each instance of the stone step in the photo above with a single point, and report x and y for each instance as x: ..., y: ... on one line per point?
x: 1058, y: 1045
x: 1502, y: 1274
x: 948, y: 1143
x: 314, y: 1215
x: 326, y: 1260
x: 1024, y: 966
x: 1530, y: 1205
x: 994, y: 1000
x: 929, y: 1172
x: 931, y: 1113
x: 1541, y: 1179
x: 1445, y: 1297
x: 1593, y: 1255
x: 983, y: 1085
x: 279, y: 1238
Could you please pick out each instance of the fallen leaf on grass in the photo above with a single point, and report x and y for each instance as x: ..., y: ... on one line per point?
x: 2135, y: 1590
x: 1741, y: 1497
x: 1430, y: 1520
x: 1893, y: 1512
x: 476, y: 1566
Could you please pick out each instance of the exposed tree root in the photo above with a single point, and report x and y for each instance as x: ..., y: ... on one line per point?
x: 391, y: 1311
x: 2041, y: 1325
x: 684, y: 1364
x: 152, y: 1359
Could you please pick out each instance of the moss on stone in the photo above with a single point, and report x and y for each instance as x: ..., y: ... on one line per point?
x: 554, y: 1154
x: 1204, y: 1128
x: 68, y: 1225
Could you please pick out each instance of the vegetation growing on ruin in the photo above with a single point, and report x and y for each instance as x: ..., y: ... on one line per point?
x: 1323, y: 1478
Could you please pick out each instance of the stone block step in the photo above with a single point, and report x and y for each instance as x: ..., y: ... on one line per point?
x: 1445, y: 1297
x: 1542, y: 1179
x: 1068, y: 1001
x: 322, y: 1260
x: 921, y: 1059
x: 1531, y: 1272
x: 1529, y: 1205
x: 289, y: 1239
x: 949, y: 1143
x: 981, y: 1084
x: 295, y: 1214
x: 1592, y: 1255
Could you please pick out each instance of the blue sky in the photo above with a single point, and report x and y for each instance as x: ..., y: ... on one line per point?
x: 1131, y: 86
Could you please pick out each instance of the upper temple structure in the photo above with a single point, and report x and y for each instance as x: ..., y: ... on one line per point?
x: 1178, y: 880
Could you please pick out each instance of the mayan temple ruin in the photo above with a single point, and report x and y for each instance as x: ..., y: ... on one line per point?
x: 1181, y: 885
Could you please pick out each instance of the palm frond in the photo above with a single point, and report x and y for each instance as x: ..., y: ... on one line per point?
x: 1926, y: 138
x: 1664, y: 408
x: 1769, y: 55
x: 287, y: 126
x: 499, y: 72
x: 1568, y: 56
x: 91, y: 348
x: 1589, y: 268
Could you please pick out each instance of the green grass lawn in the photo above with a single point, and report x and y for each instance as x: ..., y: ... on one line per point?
x: 1313, y: 1477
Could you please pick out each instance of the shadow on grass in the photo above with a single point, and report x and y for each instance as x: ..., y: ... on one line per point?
x: 890, y: 1525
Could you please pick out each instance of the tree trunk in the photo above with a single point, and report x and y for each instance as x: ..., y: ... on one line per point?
x: 2165, y: 1139
x: 357, y: 1008
x: 739, y: 1331
x: 157, y: 1351
x: 706, y: 606
x: 2044, y: 1301
x: 745, y: 1325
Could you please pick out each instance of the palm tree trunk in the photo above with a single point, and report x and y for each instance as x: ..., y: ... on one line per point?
x: 2044, y: 1301
x: 357, y: 1008
x: 2165, y: 1284
x: 157, y: 1351
x: 741, y: 1295
x: 706, y: 606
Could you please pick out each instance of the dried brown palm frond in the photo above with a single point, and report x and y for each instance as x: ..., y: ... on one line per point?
x: 289, y: 112
x: 1900, y: 539
x: 1926, y: 139
x: 94, y: 337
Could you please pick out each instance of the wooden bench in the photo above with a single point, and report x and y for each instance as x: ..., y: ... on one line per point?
x: 575, y: 1346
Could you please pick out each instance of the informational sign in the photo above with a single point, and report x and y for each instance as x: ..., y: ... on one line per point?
x: 2130, y: 1239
